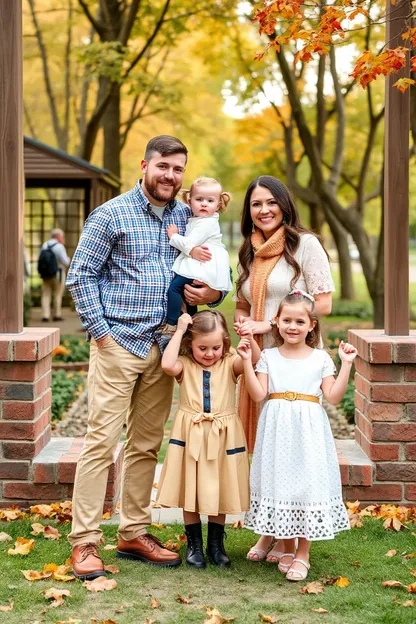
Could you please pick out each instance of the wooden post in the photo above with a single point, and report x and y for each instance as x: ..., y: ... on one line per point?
x: 396, y: 185
x: 11, y: 168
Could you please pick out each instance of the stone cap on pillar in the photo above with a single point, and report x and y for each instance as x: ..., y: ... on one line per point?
x: 375, y: 347
x: 34, y: 343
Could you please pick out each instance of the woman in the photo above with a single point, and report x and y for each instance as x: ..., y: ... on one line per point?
x: 277, y: 255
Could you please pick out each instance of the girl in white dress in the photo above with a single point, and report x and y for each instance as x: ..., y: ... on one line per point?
x: 295, y: 480
x: 206, y: 199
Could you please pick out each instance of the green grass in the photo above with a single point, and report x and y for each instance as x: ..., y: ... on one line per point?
x: 241, y: 592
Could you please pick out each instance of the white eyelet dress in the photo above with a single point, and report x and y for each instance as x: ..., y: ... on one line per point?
x: 295, y: 479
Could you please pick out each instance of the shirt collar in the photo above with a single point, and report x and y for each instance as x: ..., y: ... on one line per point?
x: 144, y: 202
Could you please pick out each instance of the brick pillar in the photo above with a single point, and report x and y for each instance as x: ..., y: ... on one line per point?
x: 25, y: 405
x: 385, y: 414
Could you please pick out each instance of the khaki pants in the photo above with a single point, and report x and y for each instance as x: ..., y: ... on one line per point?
x: 53, y: 288
x: 120, y: 384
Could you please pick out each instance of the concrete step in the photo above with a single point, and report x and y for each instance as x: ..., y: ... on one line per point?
x: 54, y: 470
x: 356, y: 468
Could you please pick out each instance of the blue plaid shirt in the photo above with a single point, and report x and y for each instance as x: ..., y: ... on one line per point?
x: 122, y: 268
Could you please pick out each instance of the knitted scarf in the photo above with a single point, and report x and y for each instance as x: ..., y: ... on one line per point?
x: 266, y: 255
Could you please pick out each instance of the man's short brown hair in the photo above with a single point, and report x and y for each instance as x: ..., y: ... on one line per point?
x: 165, y: 145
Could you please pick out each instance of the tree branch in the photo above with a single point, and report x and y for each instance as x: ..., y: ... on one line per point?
x: 95, y: 23
x: 150, y: 40
x: 129, y: 22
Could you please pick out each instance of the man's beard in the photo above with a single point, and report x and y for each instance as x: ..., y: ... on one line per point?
x: 151, y: 187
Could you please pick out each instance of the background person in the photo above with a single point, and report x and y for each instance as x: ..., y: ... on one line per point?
x: 52, y: 264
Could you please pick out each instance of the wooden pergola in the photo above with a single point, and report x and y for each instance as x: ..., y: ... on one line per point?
x: 396, y: 218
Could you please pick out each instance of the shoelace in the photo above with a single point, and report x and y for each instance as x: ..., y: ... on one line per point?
x: 88, y: 549
x: 153, y: 539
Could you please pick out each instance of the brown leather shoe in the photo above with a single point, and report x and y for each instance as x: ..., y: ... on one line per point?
x: 148, y: 549
x: 86, y: 562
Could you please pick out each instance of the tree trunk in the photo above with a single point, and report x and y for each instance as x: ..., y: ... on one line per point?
x: 316, y: 218
x: 340, y: 237
x: 111, y: 128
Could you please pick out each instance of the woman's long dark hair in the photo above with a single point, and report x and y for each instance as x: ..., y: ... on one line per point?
x: 293, y: 228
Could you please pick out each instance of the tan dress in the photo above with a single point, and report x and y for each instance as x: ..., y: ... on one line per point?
x: 206, y: 468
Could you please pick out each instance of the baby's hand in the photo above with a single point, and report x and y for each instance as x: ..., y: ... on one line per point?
x: 183, y: 321
x: 244, y: 349
x: 347, y: 352
x: 171, y: 230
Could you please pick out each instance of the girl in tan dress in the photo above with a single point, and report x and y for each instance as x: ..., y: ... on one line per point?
x: 206, y: 468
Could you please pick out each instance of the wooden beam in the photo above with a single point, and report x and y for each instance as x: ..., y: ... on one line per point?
x: 11, y: 168
x: 396, y: 185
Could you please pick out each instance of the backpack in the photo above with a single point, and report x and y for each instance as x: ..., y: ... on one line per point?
x: 47, y: 263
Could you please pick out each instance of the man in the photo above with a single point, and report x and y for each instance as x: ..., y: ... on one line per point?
x: 52, y: 264
x: 119, y: 279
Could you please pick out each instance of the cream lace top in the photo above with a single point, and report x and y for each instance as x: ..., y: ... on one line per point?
x: 315, y: 278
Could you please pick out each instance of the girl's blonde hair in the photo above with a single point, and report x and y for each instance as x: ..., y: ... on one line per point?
x: 313, y: 338
x: 205, y: 322
x: 225, y: 198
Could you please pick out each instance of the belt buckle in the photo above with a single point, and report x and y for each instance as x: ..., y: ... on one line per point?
x: 291, y: 396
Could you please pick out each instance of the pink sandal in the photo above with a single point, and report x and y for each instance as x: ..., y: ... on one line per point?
x: 301, y: 574
x: 285, y: 567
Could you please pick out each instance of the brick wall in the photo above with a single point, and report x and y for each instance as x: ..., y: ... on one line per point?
x: 385, y: 414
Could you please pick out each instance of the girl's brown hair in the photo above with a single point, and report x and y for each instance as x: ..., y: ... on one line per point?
x: 291, y: 223
x: 313, y: 338
x: 225, y: 198
x: 205, y: 322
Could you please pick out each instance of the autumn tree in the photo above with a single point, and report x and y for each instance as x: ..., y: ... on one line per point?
x: 297, y: 35
x: 114, y: 61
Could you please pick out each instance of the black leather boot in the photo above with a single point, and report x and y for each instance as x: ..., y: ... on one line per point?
x: 215, y: 546
x: 194, y: 551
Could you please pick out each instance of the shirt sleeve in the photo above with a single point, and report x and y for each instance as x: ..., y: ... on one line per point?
x: 61, y: 255
x: 203, y: 229
x: 262, y: 364
x: 328, y: 367
x: 94, y: 249
x: 316, y: 269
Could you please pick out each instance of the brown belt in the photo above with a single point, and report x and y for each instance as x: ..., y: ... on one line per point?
x: 294, y: 396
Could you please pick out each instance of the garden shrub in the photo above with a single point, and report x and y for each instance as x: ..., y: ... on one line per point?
x: 72, y: 349
x: 347, y: 404
x: 66, y: 386
x: 347, y: 307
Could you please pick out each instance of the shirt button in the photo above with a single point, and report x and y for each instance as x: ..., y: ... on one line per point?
x: 206, y: 395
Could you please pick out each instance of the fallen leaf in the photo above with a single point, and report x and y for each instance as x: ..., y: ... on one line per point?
x: 329, y: 580
x: 64, y: 578
x: 314, y: 587
x: 410, y: 556
x: 46, y: 511
x: 110, y: 547
x: 57, y: 595
x: 5, y: 537
x: 34, y: 575
x: 393, y: 523
x: 182, y: 538
x: 392, y: 584
x: 50, y: 567
x: 268, y: 618
x: 355, y: 521
x: 113, y: 569
x: 11, y: 513
x: 237, y: 525
x: 215, y: 617
x: 157, y: 525
x: 342, y: 581
x: 320, y: 610
x: 408, y: 603
x: 37, y: 528
x: 154, y: 603
x: 101, y: 583
x: 390, y: 553
x: 172, y: 545
x: 106, y: 515
x: 364, y: 537
x: 411, y: 588
x: 107, y: 622
x: 356, y: 564
x: 22, y: 546
x: 51, y: 533
x: 184, y: 600
x: 412, y: 572
x: 149, y: 621
x: 70, y: 621
x: 8, y: 607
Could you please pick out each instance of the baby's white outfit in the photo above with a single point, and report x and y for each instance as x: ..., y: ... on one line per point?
x: 295, y: 479
x: 203, y: 231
